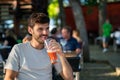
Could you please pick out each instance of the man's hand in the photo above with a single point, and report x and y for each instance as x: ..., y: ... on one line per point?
x: 55, y: 46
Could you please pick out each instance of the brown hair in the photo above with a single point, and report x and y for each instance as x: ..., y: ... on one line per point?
x: 38, y: 18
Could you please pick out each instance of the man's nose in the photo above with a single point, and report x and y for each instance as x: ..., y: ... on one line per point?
x: 45, y: 31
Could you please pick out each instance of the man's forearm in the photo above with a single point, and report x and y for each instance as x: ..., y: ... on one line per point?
x: 67, y: 70
x: 10, y: 75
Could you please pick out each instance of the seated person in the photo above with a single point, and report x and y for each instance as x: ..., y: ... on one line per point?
x: 9, y: 41
x: 116, y: 35
x: 27, y: 38
x: 53, y: 33
x: 68, y: 42
x: 10, y: 38
x: 76, y: 35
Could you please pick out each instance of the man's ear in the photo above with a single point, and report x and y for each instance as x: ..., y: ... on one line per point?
x: 30, y: 30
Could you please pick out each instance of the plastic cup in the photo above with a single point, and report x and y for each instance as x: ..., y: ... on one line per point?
x: 52, y: 54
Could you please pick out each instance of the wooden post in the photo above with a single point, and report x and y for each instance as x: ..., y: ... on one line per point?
x: 17, y: 16
x: 40, y: 6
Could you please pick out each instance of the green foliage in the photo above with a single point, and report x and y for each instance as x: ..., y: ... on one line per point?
x: 53, y: 9
x: 90, y: 10
x: 91, y: 2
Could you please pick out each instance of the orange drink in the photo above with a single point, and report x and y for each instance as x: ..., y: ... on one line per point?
x: 52, y: 55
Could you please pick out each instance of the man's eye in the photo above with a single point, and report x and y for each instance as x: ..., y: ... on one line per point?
x: 40, y: 29
x: 48, y: 28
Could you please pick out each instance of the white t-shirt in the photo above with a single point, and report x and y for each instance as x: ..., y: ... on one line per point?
x: 31, y: 63
x: 116, y: 34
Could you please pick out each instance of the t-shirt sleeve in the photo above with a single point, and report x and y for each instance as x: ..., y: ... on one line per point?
x: 12, y: 62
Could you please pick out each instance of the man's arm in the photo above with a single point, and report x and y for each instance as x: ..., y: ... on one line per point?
x: 67, y: 72
x: 78, y: 50
x: 10, y: 74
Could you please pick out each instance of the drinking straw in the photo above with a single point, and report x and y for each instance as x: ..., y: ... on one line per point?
x: 46, y: 44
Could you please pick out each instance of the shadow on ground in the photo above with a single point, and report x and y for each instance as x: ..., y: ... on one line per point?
x: 99, y: 67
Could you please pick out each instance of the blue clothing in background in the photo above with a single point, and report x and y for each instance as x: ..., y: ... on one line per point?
x: 69, y: 45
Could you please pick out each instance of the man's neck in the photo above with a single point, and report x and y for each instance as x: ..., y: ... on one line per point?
x: 36, y: 45
x: 67, y: 38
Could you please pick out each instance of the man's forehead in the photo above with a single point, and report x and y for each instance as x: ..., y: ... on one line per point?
x: 42, y: 25
x: 65, y: 30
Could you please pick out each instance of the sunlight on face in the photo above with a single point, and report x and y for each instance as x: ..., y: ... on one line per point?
x: 65, y: 33
x: 40, y: 32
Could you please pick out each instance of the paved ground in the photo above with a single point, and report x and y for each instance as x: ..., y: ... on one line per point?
x: 102, y: 65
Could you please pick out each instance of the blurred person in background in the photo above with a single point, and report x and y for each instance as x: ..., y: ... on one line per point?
x: 106, y: 30
x: 9, y: 41
x: 53, y: 33
x: 116, y: 38
x: 58, y: 34
x: 68, y: 42
x: 10, y: 38
x: 76, y: 35
x: 116, y: 35
x: 27, y: 38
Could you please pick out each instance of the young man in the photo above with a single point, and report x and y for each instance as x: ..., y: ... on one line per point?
x: 29, y: 61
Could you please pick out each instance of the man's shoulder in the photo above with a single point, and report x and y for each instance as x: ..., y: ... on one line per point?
x: 74, y: 39
x: 21, y: 45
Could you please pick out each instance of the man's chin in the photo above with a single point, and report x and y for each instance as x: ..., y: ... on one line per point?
x: 41, y: 42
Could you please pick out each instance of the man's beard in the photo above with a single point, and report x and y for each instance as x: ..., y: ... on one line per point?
x: 40, y: 41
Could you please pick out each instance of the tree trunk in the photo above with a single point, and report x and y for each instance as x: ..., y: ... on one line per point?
x: 102, y: 14
x: 17, y: 16
x: 79, y: 19
x: 62, y: 13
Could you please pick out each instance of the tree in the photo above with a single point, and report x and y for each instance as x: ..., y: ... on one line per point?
x: 17, y: 15
x: 53, y: 10
x: 80, y: 23
x: 62, y: 13
x: 102, y: 14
